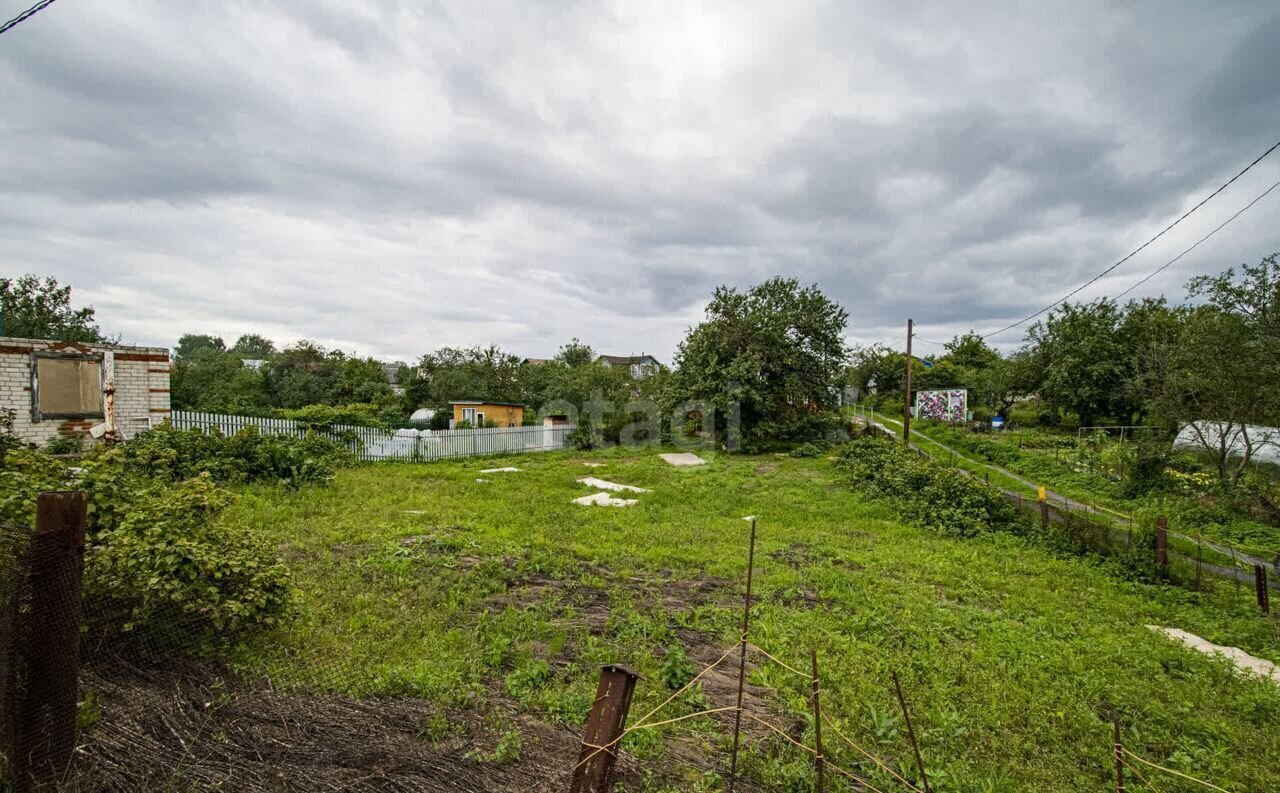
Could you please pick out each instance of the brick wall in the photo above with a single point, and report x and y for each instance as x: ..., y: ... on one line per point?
x: 140, y: 374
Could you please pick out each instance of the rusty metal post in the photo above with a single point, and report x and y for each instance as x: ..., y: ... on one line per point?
x: 1162, y: 546
x: 1119, y: 750
x: 906, y: 408
x: 819, y: 760
x: 911, y: 732
x: 1199, y: 559
x: 596, y: 759
x: 44, y: 729
x: 742, y: 659
x: 1260, y: 585
x: 1235, y: 574
x: 1044, y: 514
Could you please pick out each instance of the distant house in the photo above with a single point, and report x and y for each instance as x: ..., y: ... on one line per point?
x: 639, y: 365
x: 392, y: 371
x: 477, y: 411
x: 536, y: 361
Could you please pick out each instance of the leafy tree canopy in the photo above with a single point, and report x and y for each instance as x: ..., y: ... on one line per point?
x: 192, y: 344
x: 773, y: 354
x: 41, y: 309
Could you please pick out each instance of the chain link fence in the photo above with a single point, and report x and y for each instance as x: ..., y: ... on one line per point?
x: 94, y: 700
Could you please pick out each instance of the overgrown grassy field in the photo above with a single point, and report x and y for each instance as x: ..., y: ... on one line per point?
x: 1054, y: 459
x: 420, y: 580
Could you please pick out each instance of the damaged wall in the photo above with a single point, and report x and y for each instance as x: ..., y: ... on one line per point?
x: 132, y: 387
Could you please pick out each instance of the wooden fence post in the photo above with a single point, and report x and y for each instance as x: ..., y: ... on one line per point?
x: 911, y: 732
x: 1162, y: 546
x: 599, y: 750
x: 1260, y: 584
x: 44, y: 723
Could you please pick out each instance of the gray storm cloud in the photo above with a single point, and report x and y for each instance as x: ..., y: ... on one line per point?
x: 392, y: 177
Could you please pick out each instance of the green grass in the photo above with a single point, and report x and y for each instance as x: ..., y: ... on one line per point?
x: 1062, y: 473
x: 416, y: 579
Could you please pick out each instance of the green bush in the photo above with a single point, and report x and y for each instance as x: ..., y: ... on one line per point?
x: 158, y: 560
x: 808, y: 450
x: 940, y: 498
x: 247, y: 456
x: 64, y: 444
x: 165, y: 564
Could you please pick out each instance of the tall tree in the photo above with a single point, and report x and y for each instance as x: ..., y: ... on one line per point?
x: 1084, y: 361
x: 970, y: 351
x: 452, y: 373
x: 877, y: 367
x: 575, y: 353
x: 37, y: 309
x: 1210, y: 386
x: 254, y: 346
x: 217, y: 382
x: 191, y: 345
x: 773, y: 355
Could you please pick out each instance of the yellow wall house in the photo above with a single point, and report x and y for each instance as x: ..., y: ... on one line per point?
x: 477, y: 412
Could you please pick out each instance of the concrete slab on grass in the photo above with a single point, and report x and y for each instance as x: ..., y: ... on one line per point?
x: 682, y: 459
x: 499, y: 470
x: 1242, y: 660
x: 605, y: 500
x: 602, y: 484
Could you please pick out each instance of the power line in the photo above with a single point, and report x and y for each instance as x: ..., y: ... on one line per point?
x: 30, y: 12
x: 1166, y: 265
x: 1137, y: 250
x: 931, y: 341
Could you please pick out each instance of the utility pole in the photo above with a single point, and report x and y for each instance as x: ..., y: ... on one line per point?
x: 906, y: 391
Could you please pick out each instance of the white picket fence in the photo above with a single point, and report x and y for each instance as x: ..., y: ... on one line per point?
x: 371, y: 443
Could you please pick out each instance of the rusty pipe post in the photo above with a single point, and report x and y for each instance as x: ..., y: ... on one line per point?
x: 819, y: 759
x: 742, y: 659
x: 599, y: 749
x: 911, y: 732
x: 1260, y: 585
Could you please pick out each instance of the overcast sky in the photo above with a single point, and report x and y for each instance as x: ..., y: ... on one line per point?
x: 391, y: 177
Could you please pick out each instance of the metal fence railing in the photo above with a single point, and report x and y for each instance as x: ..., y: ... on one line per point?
x: 375, y: 443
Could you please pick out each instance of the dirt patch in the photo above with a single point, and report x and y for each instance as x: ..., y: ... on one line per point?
x: 593, y: 604
x: 797, y: 555
x: 197, y: 727
x: 766, y: 468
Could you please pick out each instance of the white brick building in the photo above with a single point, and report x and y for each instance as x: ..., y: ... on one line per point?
x: 69, y: 388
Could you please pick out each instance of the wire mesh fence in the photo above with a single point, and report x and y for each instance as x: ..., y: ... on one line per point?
x: 95, y: 697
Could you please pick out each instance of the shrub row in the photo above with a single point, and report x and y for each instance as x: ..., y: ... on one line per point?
x: 247, y: 456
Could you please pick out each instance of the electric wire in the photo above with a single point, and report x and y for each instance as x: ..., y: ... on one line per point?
x: 1137, y: 250
x: 30, y: 12
x: 1167, y: 264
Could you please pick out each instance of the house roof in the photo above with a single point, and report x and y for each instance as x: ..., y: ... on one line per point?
x: 536, y: 360
x: 627, y: 360
x: 484, y: 402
